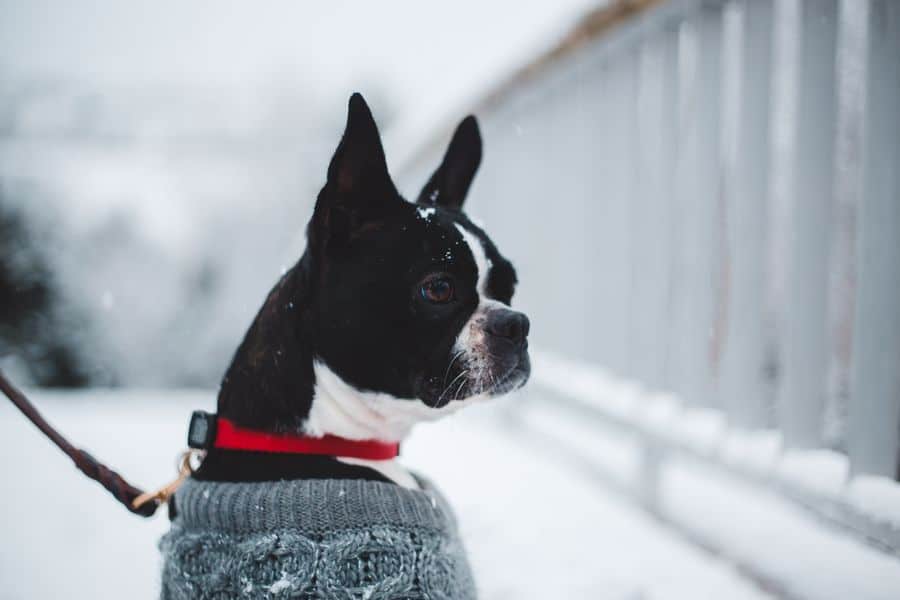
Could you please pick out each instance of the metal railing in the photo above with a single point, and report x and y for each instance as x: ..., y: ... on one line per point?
x: 704, y: 197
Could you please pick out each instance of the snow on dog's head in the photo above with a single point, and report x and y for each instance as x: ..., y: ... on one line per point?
x: 403, y: 309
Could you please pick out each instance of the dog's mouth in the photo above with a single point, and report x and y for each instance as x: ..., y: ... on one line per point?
x: 483, y: 377
x: 513, y: 379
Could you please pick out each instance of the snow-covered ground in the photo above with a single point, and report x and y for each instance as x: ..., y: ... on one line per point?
x: 534, y: 525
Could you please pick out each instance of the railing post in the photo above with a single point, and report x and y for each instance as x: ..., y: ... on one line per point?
x: 677, y: 347
x: 743, y: 388
x: 608, y: 242
x: 649, y: 217
x: 806, y: 355
x: 649, y: 475
x: 668, y: 144
x: 580, y: 134
x: 639, y: 216
x: 698, y: 197
x: 874, y: 411
x: 605, y: 345
x: 621, y: 122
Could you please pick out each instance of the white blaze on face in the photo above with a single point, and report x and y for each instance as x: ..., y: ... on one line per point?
x: 470, y: 343
x: 482, y: 262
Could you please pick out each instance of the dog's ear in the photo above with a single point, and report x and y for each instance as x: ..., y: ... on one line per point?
x: 359, y: 188
x: 450, y: 183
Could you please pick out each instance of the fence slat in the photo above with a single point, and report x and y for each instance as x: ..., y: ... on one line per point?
x: 622, y: 77
x: 698, y: 196
x: 743, y: 388
x: 668, y: 143
x: 874, y: 412
x: 650, y: 214
x: 802, y: 398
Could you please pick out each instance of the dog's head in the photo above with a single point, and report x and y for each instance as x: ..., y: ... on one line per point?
x: 405, y: 301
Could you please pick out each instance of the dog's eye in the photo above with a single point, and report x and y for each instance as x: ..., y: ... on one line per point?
x: 438, y: 290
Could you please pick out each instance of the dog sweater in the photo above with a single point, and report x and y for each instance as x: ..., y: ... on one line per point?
x: 317, y: 538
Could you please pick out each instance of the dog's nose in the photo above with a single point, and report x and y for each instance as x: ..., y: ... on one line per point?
x: 509, y: 324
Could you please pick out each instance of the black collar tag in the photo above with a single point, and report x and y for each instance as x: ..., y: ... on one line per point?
x: 202, y: 430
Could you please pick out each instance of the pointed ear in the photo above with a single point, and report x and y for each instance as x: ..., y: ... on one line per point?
x: 359, y: 188
x: 450, y: 183
x: 359, y: 159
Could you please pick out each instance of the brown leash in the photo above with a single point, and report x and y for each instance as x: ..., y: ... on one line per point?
x: 135, y: 500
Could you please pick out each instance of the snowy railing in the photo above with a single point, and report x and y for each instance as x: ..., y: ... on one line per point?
x: 703, y: 198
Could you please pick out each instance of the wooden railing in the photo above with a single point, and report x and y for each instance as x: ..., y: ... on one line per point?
x: 703, y: 197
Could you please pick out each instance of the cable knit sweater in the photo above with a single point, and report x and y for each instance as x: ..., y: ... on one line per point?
x: 326, y: 538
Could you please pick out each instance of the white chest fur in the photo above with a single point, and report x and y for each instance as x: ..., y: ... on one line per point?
x: 340, y: 409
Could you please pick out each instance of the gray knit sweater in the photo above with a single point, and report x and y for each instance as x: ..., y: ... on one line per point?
x: 326, y: 538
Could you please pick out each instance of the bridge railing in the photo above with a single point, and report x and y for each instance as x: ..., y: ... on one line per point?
x: 703, y: 202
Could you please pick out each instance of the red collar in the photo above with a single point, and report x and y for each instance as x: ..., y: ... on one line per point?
x: 231, y: 437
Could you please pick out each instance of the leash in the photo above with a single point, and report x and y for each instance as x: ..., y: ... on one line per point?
x: 134, y: 499
x: 206, y: 431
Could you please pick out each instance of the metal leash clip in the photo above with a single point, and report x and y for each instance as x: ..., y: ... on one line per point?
x: 185, y: 470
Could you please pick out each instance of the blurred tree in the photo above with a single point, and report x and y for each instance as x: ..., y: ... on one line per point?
x: 29, y: 320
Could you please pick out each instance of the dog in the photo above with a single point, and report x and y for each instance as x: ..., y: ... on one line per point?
x: 396, y: 313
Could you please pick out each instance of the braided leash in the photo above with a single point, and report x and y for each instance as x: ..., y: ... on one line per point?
x: 135, y: 500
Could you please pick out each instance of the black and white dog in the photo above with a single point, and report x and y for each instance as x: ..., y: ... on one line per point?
x: 396, y: 313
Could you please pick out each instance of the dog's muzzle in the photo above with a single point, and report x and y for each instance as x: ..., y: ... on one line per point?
x: 493, y: 346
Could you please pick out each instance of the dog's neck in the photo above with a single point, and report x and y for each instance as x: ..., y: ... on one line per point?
x: 342, y: 410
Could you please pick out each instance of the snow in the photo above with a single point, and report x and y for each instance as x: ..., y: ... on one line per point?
x: 281, y: 585
x: 761, y: 533
x: 426, y: 213
x: 823, y: 472
x: 522, y: 508
x: 879, y: 496
x: 792, y: 518
x: 695, y: 430
x: 537, y: 488
x: 755, y: 451
x: 784, y: 544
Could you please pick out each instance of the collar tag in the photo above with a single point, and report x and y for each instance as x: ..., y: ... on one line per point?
x: 202, y: 430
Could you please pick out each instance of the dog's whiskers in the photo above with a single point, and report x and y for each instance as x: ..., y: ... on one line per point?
x: 447, y: 389
x: 493, y: 381
x: 453, y: 360
x: 459, y: 389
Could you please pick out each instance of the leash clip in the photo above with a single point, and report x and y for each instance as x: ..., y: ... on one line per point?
x: 185, y: 470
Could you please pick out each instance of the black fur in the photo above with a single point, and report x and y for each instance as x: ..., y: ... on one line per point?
x: 450, y: 183
x: 353, y: 302
x: 237, y: 466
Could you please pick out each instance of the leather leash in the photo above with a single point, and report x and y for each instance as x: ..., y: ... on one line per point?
x: 135, y: 500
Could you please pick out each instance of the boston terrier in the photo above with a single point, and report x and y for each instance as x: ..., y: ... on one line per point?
x: 396, y: 313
